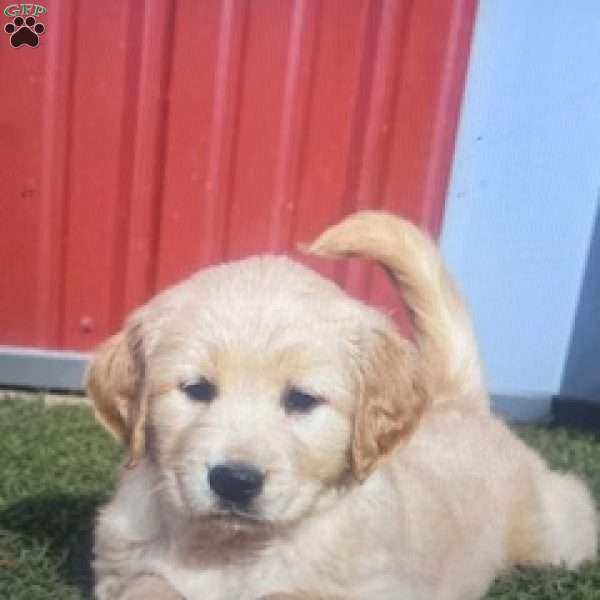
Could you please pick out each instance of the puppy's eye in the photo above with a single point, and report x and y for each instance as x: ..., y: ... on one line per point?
x: 200, y: 391
x: 298, y: 401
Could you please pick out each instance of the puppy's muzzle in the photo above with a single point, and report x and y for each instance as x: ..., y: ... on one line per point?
x: 235, y: 483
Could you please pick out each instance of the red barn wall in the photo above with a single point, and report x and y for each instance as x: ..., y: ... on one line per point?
x: 142, y: 140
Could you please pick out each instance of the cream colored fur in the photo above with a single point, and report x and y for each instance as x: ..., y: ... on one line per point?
x: 441, y: 320
x: 399, y: 485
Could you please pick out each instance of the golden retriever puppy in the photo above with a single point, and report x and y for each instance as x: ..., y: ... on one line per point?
x: 286, y: 442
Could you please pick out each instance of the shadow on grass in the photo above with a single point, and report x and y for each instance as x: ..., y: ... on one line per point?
x: 63, y: 524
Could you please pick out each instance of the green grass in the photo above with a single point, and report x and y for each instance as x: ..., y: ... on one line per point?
x: 57, y: 466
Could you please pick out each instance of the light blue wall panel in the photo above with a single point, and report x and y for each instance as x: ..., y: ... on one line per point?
x: 524, y: 188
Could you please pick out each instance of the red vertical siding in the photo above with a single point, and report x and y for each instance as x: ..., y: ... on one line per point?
x: 142, y: 140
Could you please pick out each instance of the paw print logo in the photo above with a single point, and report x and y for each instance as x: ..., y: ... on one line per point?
x: 24, y: 31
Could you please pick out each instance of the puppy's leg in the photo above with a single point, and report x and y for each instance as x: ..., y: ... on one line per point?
x: 149, y: 587
x: 443, y: 329
x: 569, y: 521
x: 558, y: 525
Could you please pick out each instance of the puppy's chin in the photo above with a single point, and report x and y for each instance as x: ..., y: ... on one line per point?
x: 217, y: 536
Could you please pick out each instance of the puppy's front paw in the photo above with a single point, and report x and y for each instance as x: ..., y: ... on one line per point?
x: 284, y: 596
x: 149, y: 587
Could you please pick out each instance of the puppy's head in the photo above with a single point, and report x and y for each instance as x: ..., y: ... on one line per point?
x: 258, y: 389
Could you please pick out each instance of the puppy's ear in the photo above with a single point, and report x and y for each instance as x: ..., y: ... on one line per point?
x: 391, y: 399
x: 115, y: 383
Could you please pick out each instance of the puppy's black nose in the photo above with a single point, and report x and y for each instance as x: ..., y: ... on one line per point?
x: 237, y: 483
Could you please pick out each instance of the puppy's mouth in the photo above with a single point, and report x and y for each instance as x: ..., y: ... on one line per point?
x: 234, y: 513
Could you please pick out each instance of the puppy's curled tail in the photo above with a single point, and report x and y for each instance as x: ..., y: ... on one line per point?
x: 442, y: 326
